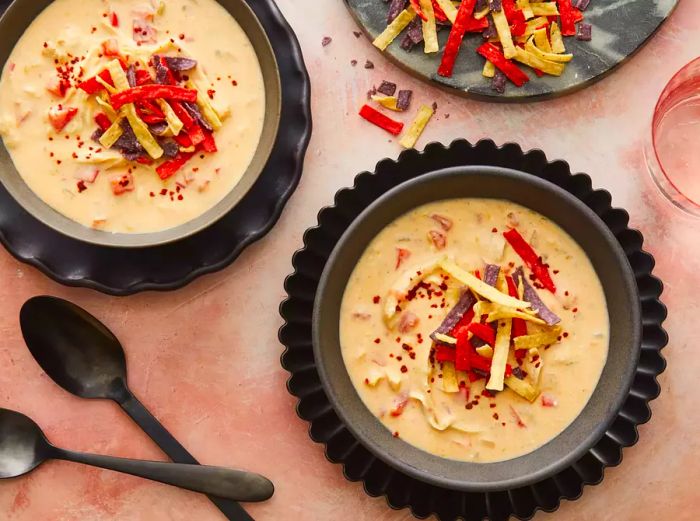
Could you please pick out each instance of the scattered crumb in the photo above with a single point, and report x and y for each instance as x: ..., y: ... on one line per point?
x: 326, y: 41
x: 369, y: 65
x: 447, y: 115
x: 357, y: 34
x: 435, y: 106
x: 353, y: 62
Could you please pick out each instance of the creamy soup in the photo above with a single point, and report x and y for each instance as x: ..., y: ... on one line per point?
x: 48, y: 111
x: 474, y: 329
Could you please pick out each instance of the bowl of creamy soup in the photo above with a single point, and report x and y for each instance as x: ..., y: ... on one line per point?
x: 132, y: 123
x: 477, y: 328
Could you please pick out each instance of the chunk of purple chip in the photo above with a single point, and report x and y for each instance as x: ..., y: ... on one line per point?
x: 415, y: 31
x: 490, y: 31
x: 387, y: 88
x: 498, y: 83
x: 170, y: 148
x: 193, y: 110
x: 131, y: 75
x: 495, y: 5
x: 158, y: 129
x: 180, y: 64
x: 581, y: 4
x: 584, y: 32
x: 326, y: 41
x: 403, y: 99
x: 395, y: 7
x: 369, y: 64
x: 481, y: 5
x: 406, y: 43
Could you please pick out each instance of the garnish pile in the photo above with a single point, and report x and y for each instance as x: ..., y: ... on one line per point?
x: 530, y: 33
x: 496, y: 330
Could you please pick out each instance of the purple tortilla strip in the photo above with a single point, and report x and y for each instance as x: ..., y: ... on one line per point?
x: 97, y: 135
x: 131, y: 75
x: 403, y: 100
x: 415, y: 31
x: 127, y: 142
x: 490, y: 31
x: 519, y: 373
x: 495, y: 5
x: 530, y: 294
x: 161, y: 71
x: 491, y: 272
x: 395, y: 8
x: 170, y: 148
x: 180, y: 64
x: 464, y: 304
x: 130, y: 155
x: 158, y: 129
x: 584, y: 32
x: 387, y: 88
x: 406, y: 43
x: 498, y: 83
x: 193, y: 110
x: 481, y: 5
x: 581, y: 4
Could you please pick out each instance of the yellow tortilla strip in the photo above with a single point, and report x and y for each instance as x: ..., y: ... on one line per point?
x: 388, y: 102
x: 500, y: 355
x: 544, y: 8
x: 482, y: 14
x: 392, y: 30
x: 486, y: 351
x: 523, y: 388
x: 449, y: 378
x: 556, y: 39
x: 448, y: 8
x: 534, y: 61
x: 542, y: 41
x: 446, y: 339
x: 489, y: 70
x: 524, y: 6
x: 538, y: 339
x: 430, y: 38
x: 112, y: 134
x: 548, y: 56
x: 410, y: 137
x: 503, y: 30
x: 480, y: 287
x: 497, y: 311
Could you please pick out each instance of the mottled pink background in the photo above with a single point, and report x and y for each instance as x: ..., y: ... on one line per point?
x: 206, y: 359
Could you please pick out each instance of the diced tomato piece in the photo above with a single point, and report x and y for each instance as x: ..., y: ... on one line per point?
x: 438, y: 239
x: 444, y: 222
x: 102, y: 121
x: 444, y: 354
x: 114, y: 19
x: 122, y: 184
x: 407, y: 322
x: 60, y: 116
x: 401, y: 255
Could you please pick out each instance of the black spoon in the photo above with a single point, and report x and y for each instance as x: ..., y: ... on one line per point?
x: 23, y: 447
x: 85, y: 358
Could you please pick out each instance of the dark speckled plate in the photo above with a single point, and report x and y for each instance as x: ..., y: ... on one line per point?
x: 620, y: 28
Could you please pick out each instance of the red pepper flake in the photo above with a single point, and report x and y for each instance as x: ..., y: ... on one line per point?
x: 404, y: 369
x: 377, y: 340
x: 399, y: 358
x: 495, y: 416
x: 180, y: 198
x: 494, y: 230
x: 366, y: 381
x: 211, y: 93
x: 575, y: 310
x: 376, y: 299
x: 152, y: 194
x: 492, y: 405
x: 182, y: 36
x: 74, y: 155
x: 81, y: 187
x: 396, y: 434
x: 565, y: 334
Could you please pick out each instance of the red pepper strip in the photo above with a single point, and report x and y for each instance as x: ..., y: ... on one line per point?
x: 170, y: 75
x: 374, y: 116
x: 151, y: 92
x: 566, y: 12
x: 183, y: 140
x: 538, y: 72
x: 463, y: 351
x: 509, y: 370
x: 473, y: 377
x: 169, y: 168
x: 444, y: 354
x: 151, y: 107
x: 483, y: 331
x: 92, y: 86
x: 114, y: 19
x: 513, y: 15
x: 196, y: 134
x: 518, y: 28
x: 209, y: 144
x: 530, y: 258
x: 484, y: 364
x: 151, y: 119
x: 440, y: 15
x: 187, y: 120
x: 477, y: 26
x: 454, y: 41
x: 143, y: 77
x: 416, y: 7
x: 578, y: 15
x: 507, y: 67
x: 519, y: 327
x: 463, y: 322
x: 144, y: 160
x: 520, y: 353
x: 477, y: 274
x: 102, y: 121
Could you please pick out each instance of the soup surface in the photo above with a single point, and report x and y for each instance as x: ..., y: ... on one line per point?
x: 474, y: 329
x: 48, y: 110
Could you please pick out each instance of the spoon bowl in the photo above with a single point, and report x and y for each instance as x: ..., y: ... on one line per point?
x: 23, y: 446
x: 74, y: 348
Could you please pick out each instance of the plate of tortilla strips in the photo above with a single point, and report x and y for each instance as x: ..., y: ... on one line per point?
x: 509, y: 50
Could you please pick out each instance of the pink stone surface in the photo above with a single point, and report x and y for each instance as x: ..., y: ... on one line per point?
x: 205, y: 359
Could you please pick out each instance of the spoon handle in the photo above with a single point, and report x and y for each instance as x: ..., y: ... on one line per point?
x: 217, y: 481
x: 175, y: 451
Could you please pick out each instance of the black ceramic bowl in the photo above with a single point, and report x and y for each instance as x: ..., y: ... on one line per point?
x: 621, y: 294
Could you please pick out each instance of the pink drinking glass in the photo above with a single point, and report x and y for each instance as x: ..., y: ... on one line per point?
x: 673, y: 152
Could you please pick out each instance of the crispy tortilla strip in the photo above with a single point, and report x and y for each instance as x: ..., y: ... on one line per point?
x: 504, y: 36
x: 446, y: 339
x: 497, y: 311
x: 486, y: 351
x: 535, y: 340
x: 478, y: 15
x: 523, y: 388
x: 449, y: 378
x: 394, y: 29
x: 112, y: 134
x: 489, y: 70
x: 524, y: 6
x: 410, y: 137
x: 544, y: 8
x: 106, y: 107
x: 533, y: 366
x: 388, y: 102
x: 547, y: 56
x: 174, y: 123
x: 534, y: 61
x: 556, y: 39
x: 542, y: 41
x: 500, y: 355
x: 480, y: 287
x: 439, y: 424
x: 430, y: 38
x: 205, y: 106
x: 448, y: 8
